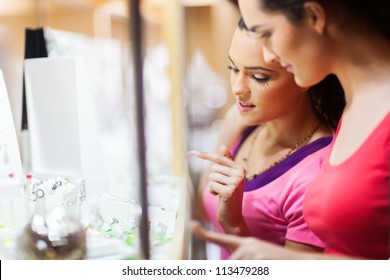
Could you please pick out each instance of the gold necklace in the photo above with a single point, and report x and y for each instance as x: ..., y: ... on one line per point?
x: 296, y: 146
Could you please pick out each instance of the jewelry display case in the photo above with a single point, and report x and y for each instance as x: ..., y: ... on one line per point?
x: 85, y: 120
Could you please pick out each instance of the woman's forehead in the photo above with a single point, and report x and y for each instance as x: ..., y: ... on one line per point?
x: 246, y: 45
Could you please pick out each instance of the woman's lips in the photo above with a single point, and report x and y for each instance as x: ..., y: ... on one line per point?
x: 244, y: 107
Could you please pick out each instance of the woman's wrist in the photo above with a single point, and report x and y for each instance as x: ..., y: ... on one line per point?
x: 239, y: 228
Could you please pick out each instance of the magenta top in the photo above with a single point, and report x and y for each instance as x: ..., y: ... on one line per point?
x: 347, y: 205
x: 272, y: 202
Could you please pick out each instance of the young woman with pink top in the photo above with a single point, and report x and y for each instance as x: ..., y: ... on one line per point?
x: 256, y: 187
x: 347, y: 205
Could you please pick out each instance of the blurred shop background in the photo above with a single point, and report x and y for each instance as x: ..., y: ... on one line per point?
x: 186, y: 80
x: 99, y: 29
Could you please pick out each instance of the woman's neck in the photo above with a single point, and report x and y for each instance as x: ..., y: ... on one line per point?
x: 286, y: 132
x: 363, y: 69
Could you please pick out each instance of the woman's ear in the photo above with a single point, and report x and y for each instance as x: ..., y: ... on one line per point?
x: 315, y: 15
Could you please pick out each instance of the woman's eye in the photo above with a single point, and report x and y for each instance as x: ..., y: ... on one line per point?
x: 265, y: 35
x: 260, y: 78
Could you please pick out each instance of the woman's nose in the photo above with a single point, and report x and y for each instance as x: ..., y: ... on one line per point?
x: 240, y: 86
x: 269, y: 56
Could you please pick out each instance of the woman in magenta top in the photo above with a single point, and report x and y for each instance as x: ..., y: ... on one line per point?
x: 352, y: 197
x: 258, y: 189
x: 347, y: 205
x: 272, y: 202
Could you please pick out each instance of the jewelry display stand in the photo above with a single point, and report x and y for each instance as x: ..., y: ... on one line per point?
x: 64, y: 138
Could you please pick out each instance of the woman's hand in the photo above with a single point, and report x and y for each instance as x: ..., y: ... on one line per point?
x: 226, y: 180
x: 247, y: 248
x: 250, y: 248
x: 230, y: 131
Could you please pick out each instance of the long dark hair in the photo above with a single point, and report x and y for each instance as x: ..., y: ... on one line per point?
x: 327, y: 98
x: 360, y: 15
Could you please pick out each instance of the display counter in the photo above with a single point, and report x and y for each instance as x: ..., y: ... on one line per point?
x: 110, y: 224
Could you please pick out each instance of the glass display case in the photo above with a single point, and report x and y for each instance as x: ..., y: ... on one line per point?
x: 86, y: 122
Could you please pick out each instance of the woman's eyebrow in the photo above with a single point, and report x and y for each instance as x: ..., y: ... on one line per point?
x: 252, y: 67
x: 231, y: 60
x: 258, y: 68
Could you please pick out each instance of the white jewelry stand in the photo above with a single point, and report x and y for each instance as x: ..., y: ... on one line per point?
x: 62, y: 118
